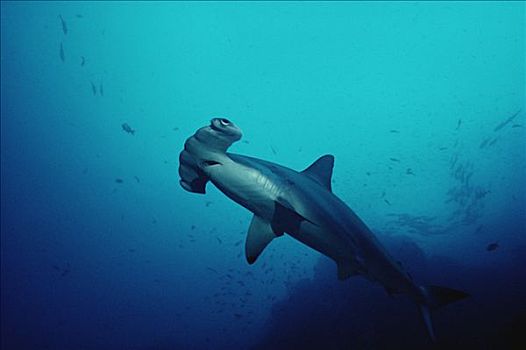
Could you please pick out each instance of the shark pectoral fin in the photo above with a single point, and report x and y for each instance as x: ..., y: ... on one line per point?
x: 321, y: 170
x: 260, y: 234
x: 345, y: 270
x: 286, y: 218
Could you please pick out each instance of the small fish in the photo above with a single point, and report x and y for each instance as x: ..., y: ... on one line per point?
x: 516, y: 126
x: 62, y: 56
x: 458, y: 124
x: 64, y: 26
x: 393, y: 131
x: 128, y: 128
x: 207, y: 204
x: 442, y: 148
x: 395, y: 159
x: 492, y: 142
x: 101, y: 90
x: 175, y: 129
x: 238, y: 315
x: 388, y: 203
x: 211, y: 269
x: 245, y: 142
x: 507, y: 121
x: 82, y: 61
x: 119, y: 181
x: 409, y: 171
x: 137, y: 179
x: 192, y: 227
x: 93, y: 88
x: 78, y: 15
x: 238, y: 243
x: 131, y: 250
x: 492, y: 246
x: 273, y: 150
x: 219, y: 240
x: 484, y: 143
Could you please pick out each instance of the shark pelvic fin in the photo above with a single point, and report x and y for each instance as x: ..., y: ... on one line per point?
x: 260, y: 234
x: 321, y: 170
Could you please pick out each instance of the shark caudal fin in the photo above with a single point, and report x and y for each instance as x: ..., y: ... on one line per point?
x: 435, y: 297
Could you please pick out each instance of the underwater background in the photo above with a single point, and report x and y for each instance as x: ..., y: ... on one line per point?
x: 422, y: 105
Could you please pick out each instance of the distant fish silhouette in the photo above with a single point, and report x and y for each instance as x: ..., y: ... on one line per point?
x: 63, y: 270
x: 83, y: 61
x: 507, y: 121
x: 492, y: 246
x: 516, y: 126
x: 62, y: 56
x: 395, y: 159
x: 101, y: 90
x: 119, y: 181
x: 492, y: 142
x: 64, y: 26
x: 484, y: 143
x: 393, y: 131
x: 128, y: 128
x: 79, y: 15
x: 458, y: 124
x: 93, y: 88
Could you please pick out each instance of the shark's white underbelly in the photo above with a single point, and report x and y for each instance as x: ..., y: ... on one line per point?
x: 246, y: 186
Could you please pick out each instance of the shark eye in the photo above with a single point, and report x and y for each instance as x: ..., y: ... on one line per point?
x: 224, y: 121
x: 208, y: 163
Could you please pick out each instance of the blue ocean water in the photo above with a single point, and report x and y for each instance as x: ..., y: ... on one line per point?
x: 422, y: 105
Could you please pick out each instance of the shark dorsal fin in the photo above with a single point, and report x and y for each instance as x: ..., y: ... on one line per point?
x: 260, y: 234
x: 321, y: 170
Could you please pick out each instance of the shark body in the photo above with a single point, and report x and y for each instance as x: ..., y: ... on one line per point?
x: 302, y: 205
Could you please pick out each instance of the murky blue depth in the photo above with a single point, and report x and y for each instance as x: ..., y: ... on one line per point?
x: 422, y: 105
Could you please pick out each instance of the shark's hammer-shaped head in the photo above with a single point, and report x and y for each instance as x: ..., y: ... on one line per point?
x: 206, y: 148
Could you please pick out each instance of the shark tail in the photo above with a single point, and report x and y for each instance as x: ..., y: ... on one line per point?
x: 435, y: 297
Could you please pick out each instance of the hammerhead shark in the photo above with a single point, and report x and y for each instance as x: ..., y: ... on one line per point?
x: 302, y: 205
